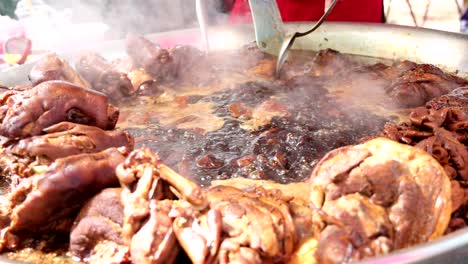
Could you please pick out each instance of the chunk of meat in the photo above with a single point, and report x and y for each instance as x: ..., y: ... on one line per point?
x: 112, y: 78
x: 457, y: 99
x: 28, y: 156
x: 27, y: 113
x: 155, y: 60
x: 330, y: 62
x: 363, y: 198
x: 307, y: 223
x: 164, y: 64
x: 223, y: 224
x: 103, y: 77
x: 257, y: 226
x: 156, y: 239
x: 97, y: 230
x: 417, y: 86
x: 265, y: 67
x: 147, y: 227
x: 14, y: 167
x: 92, y: 66
x: 369, y: 193
x: 51, y: 67
x: 335, y: 246
x: 66, y: 139
x: 186, y: 58
x: 253, y: 226
x: 40, y: 202
x: 383, y: 71
x: 144, y: 83
x: 398, y: 68
x: 441, y: 129
x: 444, y: 147
x: 363, y: 220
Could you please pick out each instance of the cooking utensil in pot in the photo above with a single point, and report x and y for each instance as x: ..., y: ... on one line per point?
x: 377, y: 40
x: 201, y: 17
x: 289, y: 40
x: 269, y: 30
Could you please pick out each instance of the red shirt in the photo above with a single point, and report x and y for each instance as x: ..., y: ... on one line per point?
x: 311, y: 10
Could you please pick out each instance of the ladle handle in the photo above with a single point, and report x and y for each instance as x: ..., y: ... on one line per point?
x: 288, y: 41
x: 200, y: 9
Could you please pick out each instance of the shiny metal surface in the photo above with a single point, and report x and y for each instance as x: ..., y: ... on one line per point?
x: 269, y: 29
x: 446, y: 50
x: 200, y: 7
x: 452, y: 248
x: 290, y: 38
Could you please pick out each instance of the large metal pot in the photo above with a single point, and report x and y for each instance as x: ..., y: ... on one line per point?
x: 446, y: 50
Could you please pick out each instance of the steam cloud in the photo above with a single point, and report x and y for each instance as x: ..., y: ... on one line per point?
x: 140, y: 16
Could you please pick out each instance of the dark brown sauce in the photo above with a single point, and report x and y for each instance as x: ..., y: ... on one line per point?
x: 284, y: 150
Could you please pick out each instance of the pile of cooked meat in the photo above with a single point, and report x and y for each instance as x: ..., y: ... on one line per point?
x: 441, y: 129
x: 172, y: 155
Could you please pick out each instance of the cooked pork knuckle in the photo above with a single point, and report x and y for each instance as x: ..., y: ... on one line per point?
x: 39, y: 202
x: 28, y: 113
x: 104, y: 78
x: 377, y: 197
x: 66, y: 139
x: 52, y: 68
x: 417, y: 86
x: 96, y: 235
x: 158, y: 62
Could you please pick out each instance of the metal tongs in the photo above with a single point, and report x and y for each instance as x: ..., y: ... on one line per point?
x: 269, y: 31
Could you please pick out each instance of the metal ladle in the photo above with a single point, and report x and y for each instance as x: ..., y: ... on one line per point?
x: 200, y: 8
x: 269, y: 30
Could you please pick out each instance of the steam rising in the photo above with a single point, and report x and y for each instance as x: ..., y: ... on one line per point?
x: 69, y: 25
x: 140, y: 16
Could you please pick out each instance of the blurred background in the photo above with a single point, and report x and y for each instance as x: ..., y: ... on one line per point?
x: 436, y: 14
x: 38, y: 26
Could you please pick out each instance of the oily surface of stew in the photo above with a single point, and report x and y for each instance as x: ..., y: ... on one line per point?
x: 226, y: 116
x: 259, y: 129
